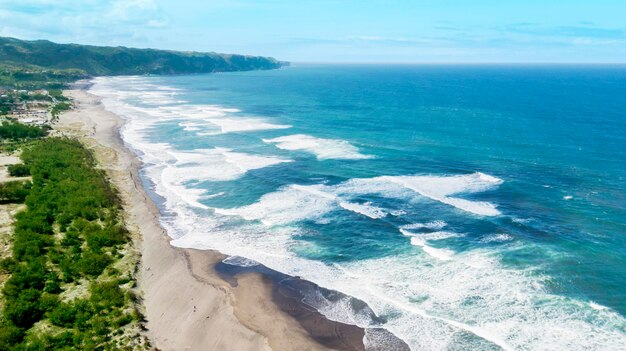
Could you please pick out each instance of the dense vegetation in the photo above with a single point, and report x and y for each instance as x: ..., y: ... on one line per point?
x: 66, y: 289
x: 16, y: 131
x: 19, y: 170
x: 98, y: 60
x: 60, y: 107
x: 14, y: 191
x: 19, y: 75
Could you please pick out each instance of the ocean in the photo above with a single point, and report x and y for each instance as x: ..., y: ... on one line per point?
x: 478, y: 207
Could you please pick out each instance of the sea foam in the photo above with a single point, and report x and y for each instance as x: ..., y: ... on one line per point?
x: 299, y: 202
x: 422, y: 239
x: 232, y: 125
x: 440, y: 188
x: 323, y: 148
x: 217, y: 164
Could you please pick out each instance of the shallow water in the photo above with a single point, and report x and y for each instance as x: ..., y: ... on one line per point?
x: 479, y: 207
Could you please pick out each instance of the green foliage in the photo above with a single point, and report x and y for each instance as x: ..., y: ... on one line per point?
x: 104, y: 295
x: 7, y: 265
x: 26, y: 96
x: 21, y: 75
x: 10, y: 334
x: 19, y: 170
x: 64, y: 315
x: 14, y: 191
x: 5, y: 104
x: 67, y: 193
x: 98, y: 60
x: 60, y: 107
x: 98, y: 237
x: 53, y: 283
x: 15, y: 131
x: 57, y: 94
x: 25, y: 309
x: 26, y: 275
x: 93, y: 263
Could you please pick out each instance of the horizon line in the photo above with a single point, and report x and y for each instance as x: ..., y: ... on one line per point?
x: 453, y: 63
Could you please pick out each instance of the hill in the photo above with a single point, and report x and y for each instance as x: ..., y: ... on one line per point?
x: 103, y: 60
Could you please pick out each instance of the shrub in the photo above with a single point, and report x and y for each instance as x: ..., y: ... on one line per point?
x: 93, y: 263
x: 83, y: 312
x: 10, y: 335
x: 25, y: 309
x: 60, y: 107
x: 107, y: 294
x: 53, y: 283
x: 15, y: 131
x: 19, y: 170
x: 7, y: 265
x: 14, y: 191
x: 31, y: 275
x: 123, y: 320
x: 64, y: 315
x: 105, y: 237
x: 37, y: 220
x: 29, y: 244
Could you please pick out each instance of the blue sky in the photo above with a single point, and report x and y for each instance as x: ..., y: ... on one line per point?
x: 338, y: 30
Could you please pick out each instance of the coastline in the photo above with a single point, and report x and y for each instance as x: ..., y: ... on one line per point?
x: 188, y: 304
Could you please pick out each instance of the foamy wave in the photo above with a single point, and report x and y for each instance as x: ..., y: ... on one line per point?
x: 212, y: 196
x: 421, y: 240
x: 438, y: 188
x: 136, y: 88
x: 323, y: 148
x: 159, y: 104
x: 496, y: 238
x: 434, y: 225
x: 442, y: 254
x: 218, y: 164
x: 179, y: 170
x: 232, y: 125
x: 441, y: 188
x: 291, y: 204
x: 298, y: 202
x: 365, y: 209
x: 440, y: 235
x: 430, y: 236
x: 240, y: 261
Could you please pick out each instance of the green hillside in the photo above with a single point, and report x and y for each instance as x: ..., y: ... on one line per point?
x: 101, y: 60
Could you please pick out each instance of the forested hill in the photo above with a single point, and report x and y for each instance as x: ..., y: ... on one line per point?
x: 102, y: 60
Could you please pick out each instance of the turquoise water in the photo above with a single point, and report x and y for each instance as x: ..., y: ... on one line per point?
x: 479, y: 207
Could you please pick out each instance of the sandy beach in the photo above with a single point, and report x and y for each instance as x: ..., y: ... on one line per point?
x: 188, y: 306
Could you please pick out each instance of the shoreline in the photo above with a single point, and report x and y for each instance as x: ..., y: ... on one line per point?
x: 188, y: 304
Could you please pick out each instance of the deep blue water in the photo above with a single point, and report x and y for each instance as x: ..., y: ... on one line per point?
x: 469, y: 206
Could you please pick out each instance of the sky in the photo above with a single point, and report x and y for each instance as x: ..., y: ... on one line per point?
x: 367, y: 31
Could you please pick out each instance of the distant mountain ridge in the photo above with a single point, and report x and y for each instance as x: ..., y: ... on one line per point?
x: 105, y: 60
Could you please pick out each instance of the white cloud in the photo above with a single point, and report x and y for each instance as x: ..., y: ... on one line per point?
x: 99, y: 22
